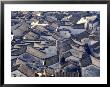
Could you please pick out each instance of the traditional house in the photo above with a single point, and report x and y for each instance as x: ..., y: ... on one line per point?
x: 38, y: 45
x: 63, y: 46
x: 17, y: 73
x: 90, y: 71
x: 27, y: 70
x: 77, y: 52
x: 18, y: 51
x: 35, y: 52
x: 51, y: 19
x: 66, y: 54
x: 80, y: 36
x: 30, y: 36
x: 21, y: 29
x: 50, y: 60
x: 54, y: 25
x: 64, y: 33
x: 73, y: 70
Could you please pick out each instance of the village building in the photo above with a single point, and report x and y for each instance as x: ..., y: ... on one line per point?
x: 30, y: 36
x: 35, y: 52
x: 17, y: 73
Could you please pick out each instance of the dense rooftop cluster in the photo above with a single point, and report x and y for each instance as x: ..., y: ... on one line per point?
x: 55, y: 43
